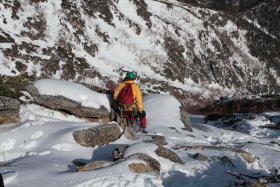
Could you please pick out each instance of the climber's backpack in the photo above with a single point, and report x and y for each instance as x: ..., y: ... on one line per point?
x: 126, y: 96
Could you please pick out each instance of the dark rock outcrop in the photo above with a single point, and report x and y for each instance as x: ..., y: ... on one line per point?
x: 64, y: 104
x: 229, y: 5
x: 243, y: 105
x: 99, y: 135
x: 9, y: 110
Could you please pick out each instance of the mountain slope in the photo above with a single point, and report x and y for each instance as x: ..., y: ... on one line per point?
x: 194, y: 50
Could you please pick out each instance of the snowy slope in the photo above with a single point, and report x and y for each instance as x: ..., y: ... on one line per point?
x: 177, y: 48
x: 41, y: 151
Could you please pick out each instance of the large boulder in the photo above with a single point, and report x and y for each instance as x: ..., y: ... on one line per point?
x: 168, y: 154
x: 99, y: 135
x: 150, y: 164
x: 9, y: 110
x: 62, y: 103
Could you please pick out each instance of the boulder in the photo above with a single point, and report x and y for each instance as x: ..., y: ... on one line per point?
x: 130, y: 133
x: 9, y: 110
x: 168, y: 154
x: 118, y: 153
x: 64, y: 104
x: 156, y: 139
x: 99, y: 135
x: 150, y: 164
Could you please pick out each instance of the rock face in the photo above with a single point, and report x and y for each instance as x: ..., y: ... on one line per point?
x: 243, y: 105
x: 9, y: 110
x: 65, y: 104
x: 230, y: 5
x: 99, y: 135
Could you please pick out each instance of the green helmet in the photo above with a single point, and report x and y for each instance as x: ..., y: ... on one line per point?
x: 130, y: 75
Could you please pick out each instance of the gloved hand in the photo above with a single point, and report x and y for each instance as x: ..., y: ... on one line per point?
x: 142, y: 113
x: 114, y: 104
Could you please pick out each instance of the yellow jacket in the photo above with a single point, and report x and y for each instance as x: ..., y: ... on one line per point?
x: 136, y: 93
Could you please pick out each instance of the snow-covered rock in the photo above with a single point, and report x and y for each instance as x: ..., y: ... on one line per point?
x: 70, y: 97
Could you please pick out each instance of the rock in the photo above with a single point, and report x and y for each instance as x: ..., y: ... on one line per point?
x: 244, y: 154
x: 168, y: 154
x: 227, y: 161
x: 138, y: 163
x: 242, y: 105
x: 99, y: 135
x: 9, y: 110
x: 64, y: 104
x: 248, y: 157
x: 118, y: 153
x: 151, y: 165
x: 185, y: 117
x: 93, y: 165
x: 199, y: 156
x: 156, y: 139
x: 129, y: 133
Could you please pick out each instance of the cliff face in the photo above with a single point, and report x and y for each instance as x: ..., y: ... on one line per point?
x: 193, y: 49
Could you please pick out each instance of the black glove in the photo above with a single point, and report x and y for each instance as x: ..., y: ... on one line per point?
x: 114, y: 104
x: 141, y: 114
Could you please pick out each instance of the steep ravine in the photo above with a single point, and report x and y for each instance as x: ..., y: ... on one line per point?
x: 196, y: 50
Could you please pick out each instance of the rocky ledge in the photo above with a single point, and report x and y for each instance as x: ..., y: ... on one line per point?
x: 9, y: 110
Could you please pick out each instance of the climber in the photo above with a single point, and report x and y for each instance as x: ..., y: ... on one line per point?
x: 129, y: 97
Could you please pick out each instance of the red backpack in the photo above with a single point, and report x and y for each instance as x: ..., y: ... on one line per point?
x: 126, y: 95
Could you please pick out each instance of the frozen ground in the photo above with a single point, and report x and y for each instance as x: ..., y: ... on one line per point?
x: 41, y: 150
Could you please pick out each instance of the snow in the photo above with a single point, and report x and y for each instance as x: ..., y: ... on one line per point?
x: 43, y: 148
x: 73, y: 91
